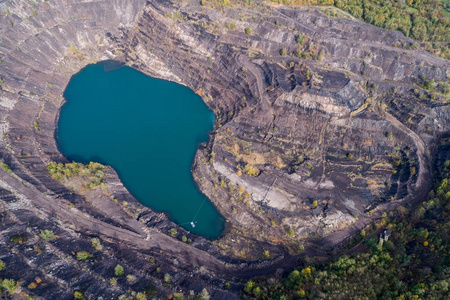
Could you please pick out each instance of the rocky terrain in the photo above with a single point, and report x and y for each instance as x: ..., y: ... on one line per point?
x: 323, y: 125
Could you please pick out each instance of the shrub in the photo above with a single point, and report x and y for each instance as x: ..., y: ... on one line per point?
x: 131, y: 279
x: 248, y: 30
x: 204, y: 295
x: 444, y: 87
x: 113, y: 281
x: 119, y: 271
x: 290, y: 232
x: 231, y: 26
x: 167, y: 278
x: 18, y: 239
x: 141, y: 296
x: 173, y: 232
x: 6, y: 168
x: 2, y: 265
x: 38, y: 249
x: 96, y: 243
x: 83, y: 255
x: 178, y: 296
x: 251, y: 170
x: 32, y: 286
x: 321, y: 54
x: 47, y: 235
x: 283, y: 51
x: 78, y: 295
x: 429, y: 85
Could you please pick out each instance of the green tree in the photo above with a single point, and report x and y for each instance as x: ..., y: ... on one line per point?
x: 10, y: 285
x: 204, y: 295
x: 119, y: 271
x: 173, y: 232
x: 141, y: 296
x: 178, y: 296
x: 83, y: 255
x: 47, y: 235
x: 248, y: 288
x: 167, y: 278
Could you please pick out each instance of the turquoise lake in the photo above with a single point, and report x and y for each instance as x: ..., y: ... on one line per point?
x: 148, y: 130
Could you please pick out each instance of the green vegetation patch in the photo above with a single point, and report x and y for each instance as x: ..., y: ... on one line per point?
x: 6, y: 167
x: 96, y: 244
x: 92, y: 172
x: 47, y: 235
x: 9, y: 285
x: 18, y: 239
x: 78, y: 295
x: 84, y: 255
x: 446, y: 9
x: 119, y: 271
x: 423, y: 20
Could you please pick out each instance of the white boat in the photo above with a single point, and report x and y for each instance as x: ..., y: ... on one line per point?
x: 192, y: 224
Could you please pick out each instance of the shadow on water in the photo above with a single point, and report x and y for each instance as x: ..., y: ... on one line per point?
x: 111, y: 65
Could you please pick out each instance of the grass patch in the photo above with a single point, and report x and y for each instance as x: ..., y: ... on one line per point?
x: 6, y: 168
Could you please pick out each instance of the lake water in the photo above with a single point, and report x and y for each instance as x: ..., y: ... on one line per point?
x: 148, y: 130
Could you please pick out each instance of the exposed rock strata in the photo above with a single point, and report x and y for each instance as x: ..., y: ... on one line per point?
x: 325, y: 136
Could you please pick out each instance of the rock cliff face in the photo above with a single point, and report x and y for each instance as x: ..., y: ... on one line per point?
x: 322, y: 126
